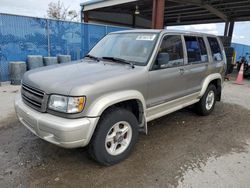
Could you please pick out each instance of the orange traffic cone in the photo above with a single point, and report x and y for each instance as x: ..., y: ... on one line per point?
x: 240, y: 75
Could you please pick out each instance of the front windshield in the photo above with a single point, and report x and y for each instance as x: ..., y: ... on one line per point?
x: 132, y: 47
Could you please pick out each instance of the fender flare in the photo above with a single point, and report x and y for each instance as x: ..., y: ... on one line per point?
x: 208, y: 80
x: 102, y: 103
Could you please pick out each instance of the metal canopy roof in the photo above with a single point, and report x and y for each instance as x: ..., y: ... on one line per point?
x: 182, y: 12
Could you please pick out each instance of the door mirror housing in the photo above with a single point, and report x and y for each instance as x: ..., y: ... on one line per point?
x: 162, y: 59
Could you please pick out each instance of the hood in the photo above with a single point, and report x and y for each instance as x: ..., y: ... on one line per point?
x: 62, y: 78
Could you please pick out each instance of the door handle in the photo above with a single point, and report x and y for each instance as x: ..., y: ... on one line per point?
x: 182, y: 70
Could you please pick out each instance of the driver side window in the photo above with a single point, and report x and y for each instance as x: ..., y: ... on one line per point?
x: 171, y: 52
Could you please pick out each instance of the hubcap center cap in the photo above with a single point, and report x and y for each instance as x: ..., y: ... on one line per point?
x: 119, y: 138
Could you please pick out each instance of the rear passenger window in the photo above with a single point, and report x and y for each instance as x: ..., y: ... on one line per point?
x: 215, y: 49
x: 203, y: 49
x: 196, y: 49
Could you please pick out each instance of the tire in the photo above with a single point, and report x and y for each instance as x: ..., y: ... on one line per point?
x: 50, y: 61
x: 17, y: 70
x: 238, y: 67
x: 64, y: 58
x: 203, y: 107
x: 247, y: 72
x: 104, y: 142
x: 230, y: 69
x: 34, y: 61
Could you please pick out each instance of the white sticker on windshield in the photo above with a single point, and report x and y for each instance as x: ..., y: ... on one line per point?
x: 146, y: 37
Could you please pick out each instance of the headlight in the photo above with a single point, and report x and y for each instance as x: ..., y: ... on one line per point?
x: 66, y: 104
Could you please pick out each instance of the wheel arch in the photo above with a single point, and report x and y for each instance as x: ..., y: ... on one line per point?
x: 215, y: 79
x: 132, y: 100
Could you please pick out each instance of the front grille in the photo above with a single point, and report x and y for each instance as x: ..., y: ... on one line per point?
x: 34, y: 98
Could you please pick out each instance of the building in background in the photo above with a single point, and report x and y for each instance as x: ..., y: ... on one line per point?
x: 158, y: 14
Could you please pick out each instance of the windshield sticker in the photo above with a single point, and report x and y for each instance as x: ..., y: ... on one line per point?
x: 146, y: 37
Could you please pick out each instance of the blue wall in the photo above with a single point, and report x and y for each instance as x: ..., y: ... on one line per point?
x: 21, y: 36
x: 241, y: 50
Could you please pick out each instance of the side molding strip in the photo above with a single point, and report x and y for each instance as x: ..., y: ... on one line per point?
x: 171, y: 106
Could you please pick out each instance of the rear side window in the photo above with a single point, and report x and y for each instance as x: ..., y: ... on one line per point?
x: 215, y: 48
x: 203, y: 49
x: 196, y: 49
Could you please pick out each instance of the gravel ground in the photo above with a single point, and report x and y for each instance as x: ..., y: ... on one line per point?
x: 181, y: 150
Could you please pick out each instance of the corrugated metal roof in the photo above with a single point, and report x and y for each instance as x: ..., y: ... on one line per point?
x: 96, y: 4
x: 89, y: 2
x: 177, y: 12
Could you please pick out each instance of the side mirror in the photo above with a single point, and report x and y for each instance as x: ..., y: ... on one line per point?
x: 163, y: 59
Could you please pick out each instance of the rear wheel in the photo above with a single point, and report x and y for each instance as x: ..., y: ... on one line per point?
x: 115, y: 136
x: 206, y: 104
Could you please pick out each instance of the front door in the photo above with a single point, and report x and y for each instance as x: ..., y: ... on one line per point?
x: 166, y: 79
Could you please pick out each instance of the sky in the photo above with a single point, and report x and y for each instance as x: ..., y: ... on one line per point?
x: 34, y: 8
x: 38, y: 8
x: 241, y: 33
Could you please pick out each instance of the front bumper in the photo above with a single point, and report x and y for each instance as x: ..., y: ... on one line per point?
x: 67, y: 133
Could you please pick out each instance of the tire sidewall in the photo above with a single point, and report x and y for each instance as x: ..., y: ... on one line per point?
x: 238, y: 66
x: 203, y: 102
x: 108, y: 120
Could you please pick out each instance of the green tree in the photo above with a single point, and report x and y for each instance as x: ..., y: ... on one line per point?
x: 57, y: 11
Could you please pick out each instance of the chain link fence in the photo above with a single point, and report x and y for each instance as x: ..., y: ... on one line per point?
x: 21, y: 36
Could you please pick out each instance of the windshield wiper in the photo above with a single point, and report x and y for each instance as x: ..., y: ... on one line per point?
x: 92, y: 57
x: 119, y: 60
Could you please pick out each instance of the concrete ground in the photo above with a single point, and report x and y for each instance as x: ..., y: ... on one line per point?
x: 181, y: 150
x: 7, y: 95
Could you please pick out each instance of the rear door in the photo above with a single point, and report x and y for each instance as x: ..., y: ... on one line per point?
x: 218, y: 60
x: 167, y: 82
x: 197, y: 60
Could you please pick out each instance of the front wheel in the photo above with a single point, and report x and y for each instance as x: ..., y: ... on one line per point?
x: 115, y: 136
x: 206, y: 104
